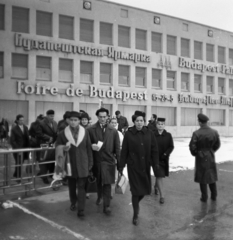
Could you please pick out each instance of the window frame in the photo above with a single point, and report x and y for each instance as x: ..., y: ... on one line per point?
x: 144, y: 78
x: 174, y: 80
x: 43, y: 79
x: 48, y: 13
x: 128, y: 77
x: 187, y: 82
x: 92, y: 70
x: 15, y: 77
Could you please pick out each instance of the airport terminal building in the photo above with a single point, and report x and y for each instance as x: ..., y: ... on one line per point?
x: 80, y: 54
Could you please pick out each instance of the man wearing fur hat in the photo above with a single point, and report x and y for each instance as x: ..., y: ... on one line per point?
x: 106, y: 151
x: 203, y: 145
x: 75, y: 140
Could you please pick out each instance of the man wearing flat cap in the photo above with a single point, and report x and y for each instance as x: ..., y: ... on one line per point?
x: 75, y: 141
x: 203, y: 145
x: 106, y: 152
x: 47, y: 133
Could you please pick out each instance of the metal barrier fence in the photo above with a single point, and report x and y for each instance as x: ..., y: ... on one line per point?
x: 26, y: 179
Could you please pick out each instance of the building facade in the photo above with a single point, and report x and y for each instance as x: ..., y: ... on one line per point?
x: 81, y: 54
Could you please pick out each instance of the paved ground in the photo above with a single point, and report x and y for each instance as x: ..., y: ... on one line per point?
x: 46, y: 215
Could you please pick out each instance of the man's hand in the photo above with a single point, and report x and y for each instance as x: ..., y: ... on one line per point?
x: 95, y: 147
x: 66, y: 148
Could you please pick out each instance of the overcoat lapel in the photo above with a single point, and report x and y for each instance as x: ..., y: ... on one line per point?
x: 70, y: 138
x: 20, y: 131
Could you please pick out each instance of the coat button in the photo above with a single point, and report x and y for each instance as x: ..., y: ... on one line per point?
x: 141, y: 143
x: 142, y: 157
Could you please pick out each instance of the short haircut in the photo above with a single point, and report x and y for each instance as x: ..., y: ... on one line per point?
x: 101, y: 110
x: 117, y: 112
x: 134, y: 117
x: 50, y: 112
x: 19, y: 116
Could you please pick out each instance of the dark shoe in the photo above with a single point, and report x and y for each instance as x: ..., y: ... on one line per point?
x: 72, y: 207
x: 156, y: 191
x: 98, y: 201
x: 80, y: 213
x: 45, y: 180
x: 107, y: 210
x: 161, y: 200
x: 135, y: 220
x: 213, y: 198
x: 203, y: 200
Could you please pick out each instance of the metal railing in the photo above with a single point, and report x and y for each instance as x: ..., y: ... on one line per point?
x: 26, y: 178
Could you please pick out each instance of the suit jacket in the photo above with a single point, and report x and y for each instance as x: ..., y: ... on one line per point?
x: 34, y: 141
x: 18, y: 138
x: 44, y: 131
x: 106, y: 158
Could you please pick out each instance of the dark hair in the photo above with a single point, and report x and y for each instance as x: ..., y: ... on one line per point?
x: 134, y: 117
x: 50, y: 112
x: 18, y: 117
x: 117, y: 112
x: 66, y: 115
x: 101, y: 110
x: 154, y: 116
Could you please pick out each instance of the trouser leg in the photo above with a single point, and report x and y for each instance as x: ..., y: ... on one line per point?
x: 99, y: 188
x: 213, y: 189
x: 18, y: 160
x: 106, y: 195
x: 81, y: 193
x: 72, y: 189
x: 204, y: 193
x: 135, y: 203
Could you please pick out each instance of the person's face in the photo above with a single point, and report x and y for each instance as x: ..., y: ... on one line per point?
x: 68, y: 120
x: 84, y: 121
x: 118, y: 115
x: 50, y: 117
x: 160, y: 125
x: 74, y: 122
x: 113, y: 123
x: 152, y: 118
x: 90, y: 121
x: 102, y: 117
x: 21, y: 121
x: 139, y: 122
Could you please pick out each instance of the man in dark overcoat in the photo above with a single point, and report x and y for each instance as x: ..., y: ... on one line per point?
x: 122, y: 122
x: 152, y: 123
x: 76, y: 141
x: 105, y: 156
x: 19, y: 139
x: 47, y: 133
x: 203, y: 145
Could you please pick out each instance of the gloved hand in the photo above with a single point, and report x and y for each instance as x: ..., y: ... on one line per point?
x: 120, y: 170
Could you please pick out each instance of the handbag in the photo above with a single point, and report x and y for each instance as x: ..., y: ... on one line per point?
x: 121, y: 185
x: 91, y: 185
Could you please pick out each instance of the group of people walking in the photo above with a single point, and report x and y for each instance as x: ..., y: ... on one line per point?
x: 98, y: 149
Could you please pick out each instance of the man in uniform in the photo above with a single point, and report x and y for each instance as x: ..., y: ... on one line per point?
x: 203, y: 145
x: 106, y: 151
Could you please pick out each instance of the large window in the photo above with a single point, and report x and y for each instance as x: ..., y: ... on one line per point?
x: 210, y: 84
x: 123, y: 75
x: 66, y: 70
x: 210, y: 52
x: 43, y: 68
x: 189, y: 116
x: 86, y: 72
x: 171, y: 80
x: 2, y: 17
x: 11, y: 108
x: 156, y: 42
x: 156, y: 78
x: 44, y: 24
x: 141, y: 39
x: 123, y: 36
x: 231, y: 57
x: 231, y: 87
x: 185, y: 82
x: 197, y: 83
x: 221, y: 85
x: 86, y: 30
x: 221, y: 55
x: 216, y: 116
x: 171, y: 45
x: 19, y: 66
x: 1, y: 65
x: 166, y: 112
x: 66, y: 27
x: 185, y: 47
x: 198, y: 50
x: 20, y: 19
x: 106, y: 33
x: 105, y: 73
x: 140, y: 77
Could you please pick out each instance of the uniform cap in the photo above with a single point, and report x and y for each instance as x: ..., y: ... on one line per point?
x: 202, y: 118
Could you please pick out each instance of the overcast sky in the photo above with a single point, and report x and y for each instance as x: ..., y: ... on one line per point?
x: 215, y: 13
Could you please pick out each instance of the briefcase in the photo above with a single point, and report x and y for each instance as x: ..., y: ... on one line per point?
x: 91, y: 185
x: 121, y: 185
